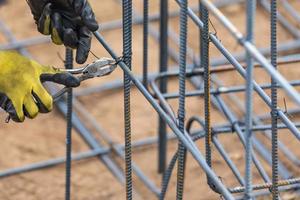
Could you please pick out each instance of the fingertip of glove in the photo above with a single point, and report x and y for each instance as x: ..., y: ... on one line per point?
x: 80, y: 59
x: 16, y: 117
x: 92, y: 25
x: 70, y: 38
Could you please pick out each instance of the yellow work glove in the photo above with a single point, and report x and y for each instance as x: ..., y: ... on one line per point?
x: 21, y: 90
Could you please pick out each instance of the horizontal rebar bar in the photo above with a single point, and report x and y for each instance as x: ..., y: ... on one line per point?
x: 53, y: 162
x: 267, y: 185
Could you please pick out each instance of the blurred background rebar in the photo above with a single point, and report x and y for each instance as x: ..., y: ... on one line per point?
x: 221, y: 78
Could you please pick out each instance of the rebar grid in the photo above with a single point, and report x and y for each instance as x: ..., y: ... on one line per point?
x: 211, y: 90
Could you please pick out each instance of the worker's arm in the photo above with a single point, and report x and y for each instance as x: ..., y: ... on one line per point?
x: 69, y: 22
x: 21, y: 91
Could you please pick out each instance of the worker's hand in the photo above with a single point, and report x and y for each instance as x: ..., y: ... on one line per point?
x: 69, y: 22
x: 21, y: 90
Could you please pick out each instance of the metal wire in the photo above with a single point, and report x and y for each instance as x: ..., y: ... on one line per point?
x: 127, y: 54
x: 274, y: 115
x: 69, y: 65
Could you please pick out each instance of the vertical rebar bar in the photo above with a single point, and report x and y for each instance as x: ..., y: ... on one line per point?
x: 274, y: 114
x: 200, y: 32
x: 167, y: 176
x: 181, y: 110
x: 69, y: 65
x: 251, y: 7
x: 145, y: 42
x: 163, y: 66
x: 127, y: 55
x: 204, y: 48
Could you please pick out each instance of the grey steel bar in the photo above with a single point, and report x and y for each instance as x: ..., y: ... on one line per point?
x: 224, y: 90
x: 282, y: 47
x: 268, y: 185
x: 250, y: 20
x: 69, y: 65
x: 274, y: 116
x: 261, y: 194
x: 127, y: 56
x: 145, y: 42
x: 53, y: 162
x: 291, y: 10
x: 163, y: 66
x: 181, y: 100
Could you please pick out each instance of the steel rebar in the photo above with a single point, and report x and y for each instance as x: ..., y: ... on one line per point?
x: 69, y: 65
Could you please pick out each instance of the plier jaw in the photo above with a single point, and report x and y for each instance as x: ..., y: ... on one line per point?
x: 101, y: 67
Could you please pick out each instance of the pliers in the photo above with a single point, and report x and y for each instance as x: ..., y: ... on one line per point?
x: 101, y: 67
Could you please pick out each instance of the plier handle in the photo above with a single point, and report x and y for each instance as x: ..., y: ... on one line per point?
x: 101, y: 67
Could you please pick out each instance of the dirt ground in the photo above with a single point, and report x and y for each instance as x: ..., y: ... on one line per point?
x: 44, y: 137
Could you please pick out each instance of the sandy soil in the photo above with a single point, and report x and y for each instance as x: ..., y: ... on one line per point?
x: 44, y: 137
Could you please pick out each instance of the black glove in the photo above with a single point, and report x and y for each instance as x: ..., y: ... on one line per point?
x: 69, y: 22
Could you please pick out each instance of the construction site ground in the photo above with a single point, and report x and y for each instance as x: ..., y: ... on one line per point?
x: 44, y: 137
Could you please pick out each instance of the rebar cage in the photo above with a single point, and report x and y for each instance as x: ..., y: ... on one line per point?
x: 257, y: 135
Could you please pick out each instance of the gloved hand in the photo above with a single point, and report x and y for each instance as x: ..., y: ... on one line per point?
x: 21, y: 90
x: 69, y: 22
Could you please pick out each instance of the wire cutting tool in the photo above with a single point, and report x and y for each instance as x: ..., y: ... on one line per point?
x: 101, y: 67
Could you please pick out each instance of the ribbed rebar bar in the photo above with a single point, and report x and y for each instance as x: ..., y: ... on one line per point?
x: 167, y: 176
x: 267, y: 185
x: 274, y: 115
x: 163, y: 66
x: 127, y: 54
x: 200, y: 31
x: 181, y: 109
x: 251, y: 7
x: 206, y: 75
x: 69, y: 65
x: 145, y: 42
